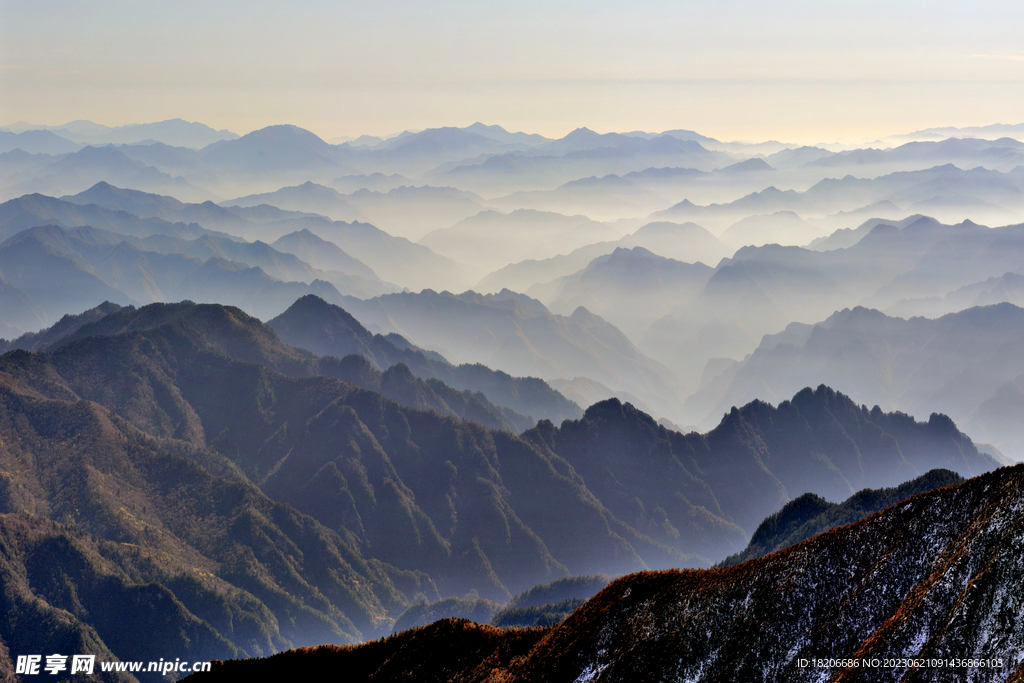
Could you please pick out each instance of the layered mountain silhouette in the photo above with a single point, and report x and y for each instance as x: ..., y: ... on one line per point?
x: 946, y: 190
x: 33, y: 210
x: 322, y: 254
x: 382, y: 452
x: 517, y: 334
x: 923, y: 591
x: 394, y: 259
x: 491, y: 239
x: 1002, y: 154
x: 542, y: 605
x: 631, y: 288
x: 581, y: 154
x: 36, y: 142
x: 761, y: 289
x: 412, y: 211
x: 308, y: 197
x: 328, y: 330
x: 149, y: 205
x: 687, y: 242
x: 262, y: 220
x: 56, y: 269
x: 781, y: 227
x: 280, y: 150
x: 192, y: 432
x: 611, y: 197
x: 550, y: 603
x: 963, y: 364
x: 171, y: 132
x: 71, y: 173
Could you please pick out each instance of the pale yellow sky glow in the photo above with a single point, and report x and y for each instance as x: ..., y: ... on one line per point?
x: 737, y: 69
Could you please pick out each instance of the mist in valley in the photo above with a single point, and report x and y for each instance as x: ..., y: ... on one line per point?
x: 656, y: 344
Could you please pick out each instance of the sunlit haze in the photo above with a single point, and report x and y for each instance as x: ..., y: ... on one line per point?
x: 798, y: 71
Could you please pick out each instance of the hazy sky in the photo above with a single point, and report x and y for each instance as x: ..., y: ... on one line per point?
x: 799, y: 70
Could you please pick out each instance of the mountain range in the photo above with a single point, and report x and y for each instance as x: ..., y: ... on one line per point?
x: 924, y: 591
x: 964, y: 364
x: 810, y: 515
x: 517, y: 334
x: 491, y: 239
x: 631, y: 288
x: 312, y: 323
x: 142, y: 214
x: 50, y: 269
x: 762, y: 289
x: 687, y: 242
x: 71, y: 173
x: 946, y: 191
x: 316, y: 509
x: 246, y: 409
x: 176, y: 132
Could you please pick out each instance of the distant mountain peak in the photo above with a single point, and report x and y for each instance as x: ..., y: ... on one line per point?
x: 582, y: 133
x: 747, y: 166
x: 584, y: 317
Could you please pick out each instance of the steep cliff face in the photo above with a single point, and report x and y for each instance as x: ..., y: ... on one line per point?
x: 927, y: 590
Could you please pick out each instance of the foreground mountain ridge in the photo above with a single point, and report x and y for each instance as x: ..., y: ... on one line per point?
x: 923, y: 591
x: 810, y: 514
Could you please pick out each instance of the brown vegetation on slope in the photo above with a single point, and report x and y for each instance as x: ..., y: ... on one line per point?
x: 934, y: 577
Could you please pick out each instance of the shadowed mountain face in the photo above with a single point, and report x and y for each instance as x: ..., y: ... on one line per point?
x: 870, y: 590
x: 819, y: 441
x: 109, y: 533
x: 63, y: 328
x: 408, y: 492
x: 320, y: 508
x: 934, y: 577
